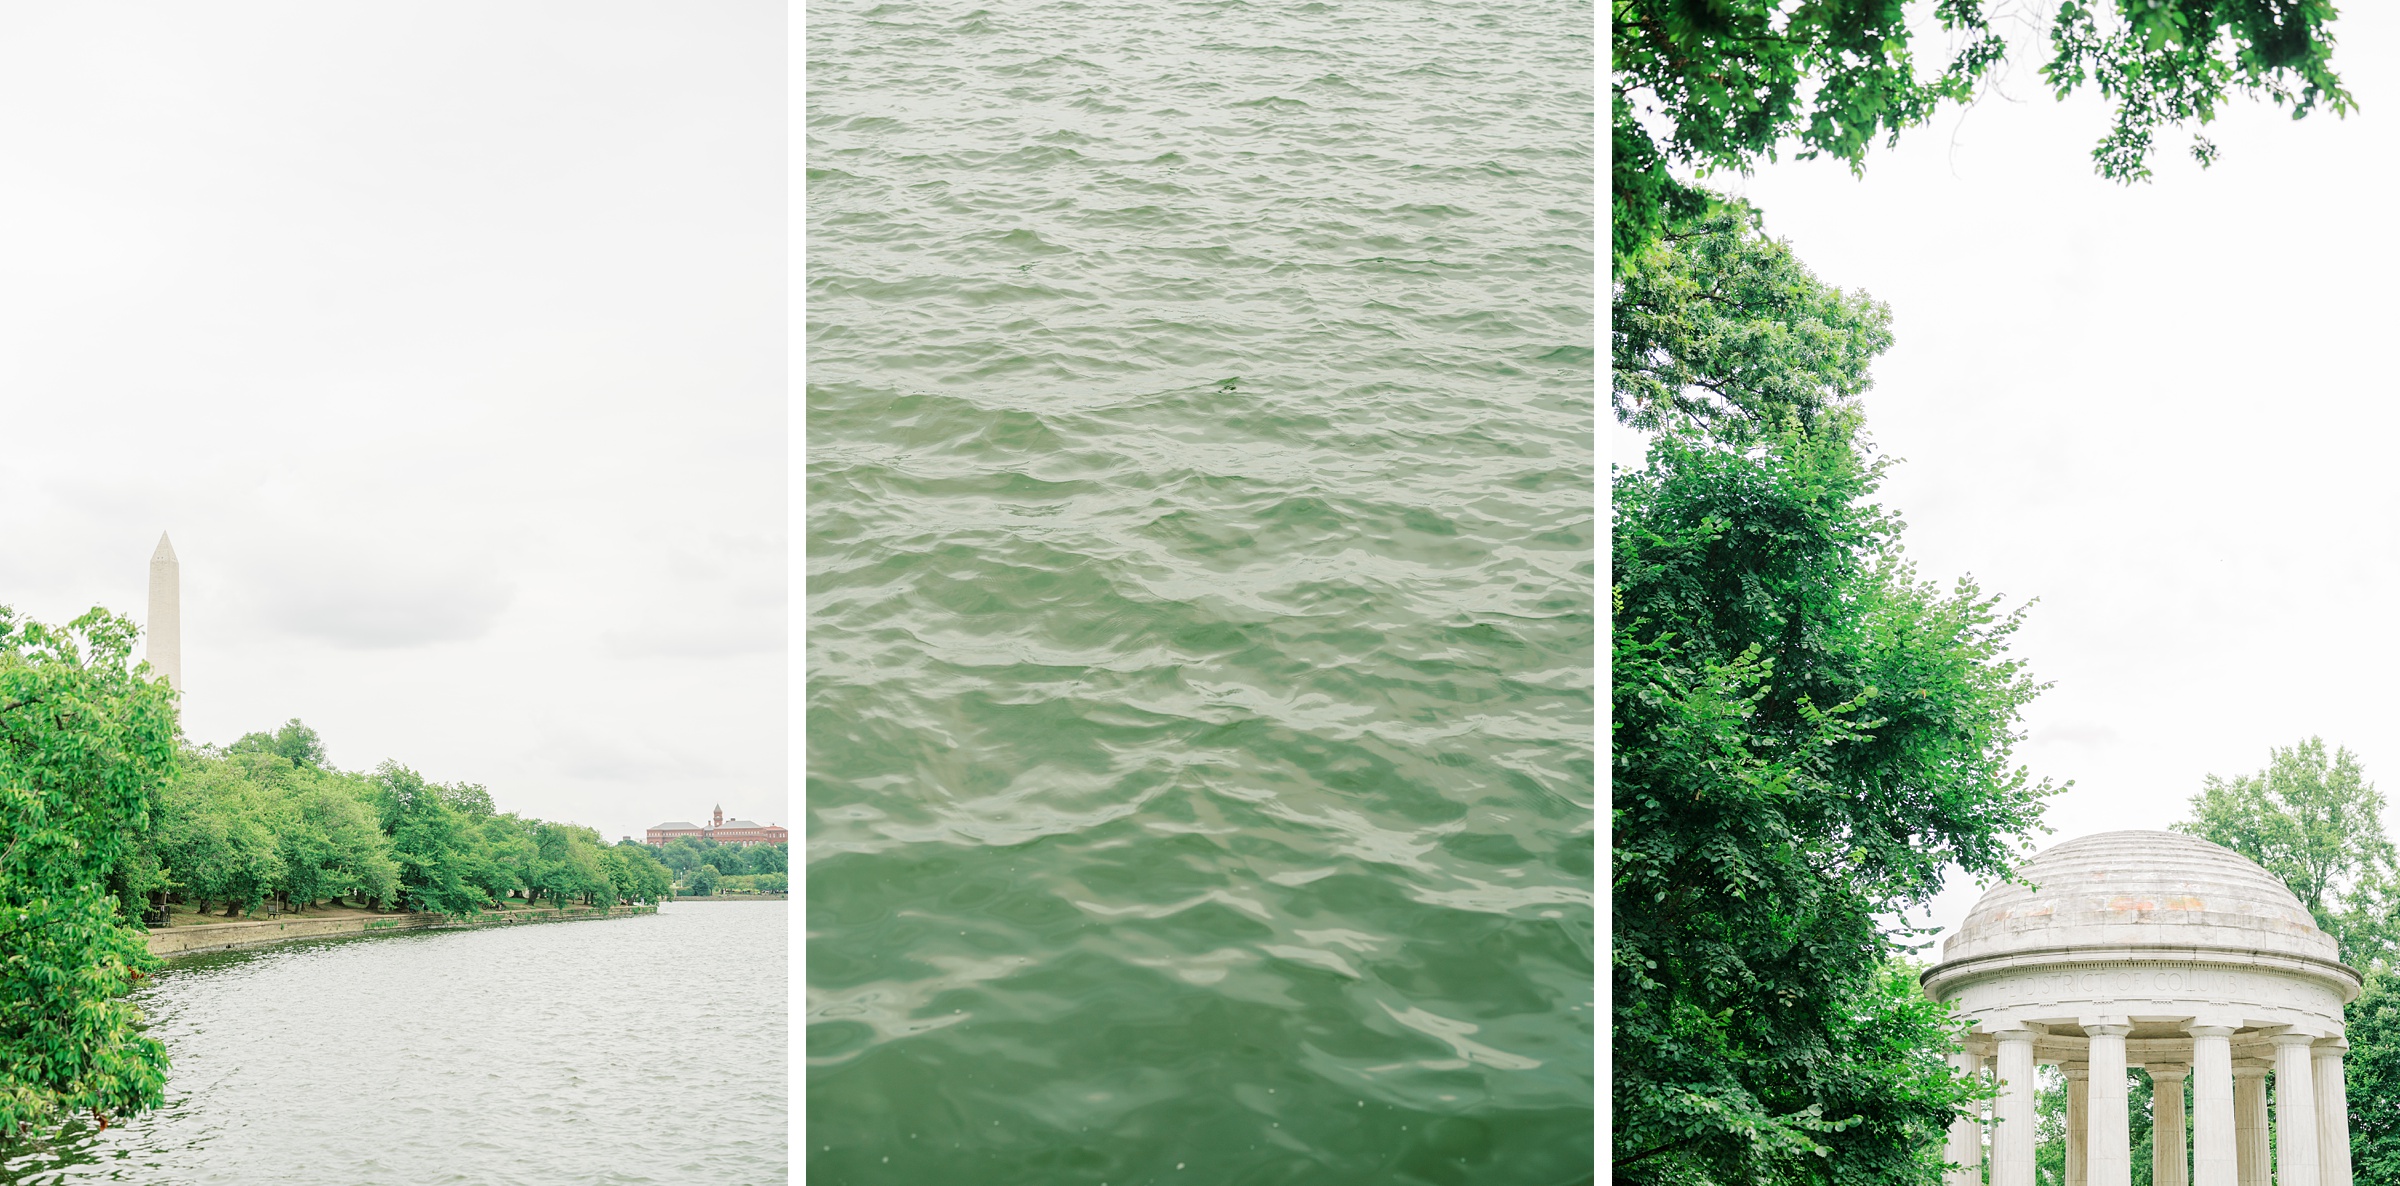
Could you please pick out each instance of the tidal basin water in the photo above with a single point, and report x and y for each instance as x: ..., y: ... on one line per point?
x: 1201, y: 581
x: 607, y: 1053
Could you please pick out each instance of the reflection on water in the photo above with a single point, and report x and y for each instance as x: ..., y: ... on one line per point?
x: 640, y: 1050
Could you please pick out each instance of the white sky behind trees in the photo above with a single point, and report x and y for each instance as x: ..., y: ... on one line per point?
x: 448, y: 341
x: 2167, y: 411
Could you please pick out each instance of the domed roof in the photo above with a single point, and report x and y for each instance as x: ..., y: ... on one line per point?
x: 2137, y: 890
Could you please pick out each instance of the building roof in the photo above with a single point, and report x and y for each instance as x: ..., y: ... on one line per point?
x: 2139, y: 889
x: 677, y: 826
x: 744, y: 823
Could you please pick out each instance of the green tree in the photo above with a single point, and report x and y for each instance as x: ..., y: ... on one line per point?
x: 294, y: 742
x: 216, y: 833
x: 333, y: 845
x: 2372, y: 1079
x: 507, y: 856
x: 468, y: 799
x: 1711, y: 86
x: 771, y: 858
x: 2313, y: 820
x: 702, y: 882
x: 431, y: 843
x: 1807, y: 738
x: 1723, y: 327
x: 636, y: 875
x: 570, y: 864
x: 86, y: 743
x: 683, y: 854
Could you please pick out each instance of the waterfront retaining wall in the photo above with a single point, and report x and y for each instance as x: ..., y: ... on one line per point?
x: 226, y: 936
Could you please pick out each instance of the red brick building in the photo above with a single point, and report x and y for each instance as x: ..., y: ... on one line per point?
x: 722, y: 830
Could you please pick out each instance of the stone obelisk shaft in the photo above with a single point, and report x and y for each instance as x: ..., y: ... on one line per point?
x: 165, y: 647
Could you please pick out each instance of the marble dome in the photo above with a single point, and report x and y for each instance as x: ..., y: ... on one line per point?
x: 2140, y: 890
x: 2155, y: 950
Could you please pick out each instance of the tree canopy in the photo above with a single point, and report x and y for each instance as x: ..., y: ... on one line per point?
x: 1718, y: 326
x: 1709, y: 86
x: 86, y: 745
x: 1807, y: 738
x: 2313, y: 820
x: 250, y: 822
x: 294, y: 742
x: 2372, y: 1074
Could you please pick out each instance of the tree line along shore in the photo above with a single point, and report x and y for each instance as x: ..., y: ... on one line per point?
x: 111, y: 822
x: 705, y: 868
x: 268, y: 823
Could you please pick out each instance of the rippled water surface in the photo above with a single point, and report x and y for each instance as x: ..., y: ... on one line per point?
x: 1201, y: 590
x: 604, y: 1053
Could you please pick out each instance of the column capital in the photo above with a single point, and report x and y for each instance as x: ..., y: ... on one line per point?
x: 2332, y: 1047
x: 2244, y: 1068
x: 2209, y: 1031
x: 2106, y: 1029
x: 2167, y: 1070
x: 2075, y: 1070
x: 2288, y: 1038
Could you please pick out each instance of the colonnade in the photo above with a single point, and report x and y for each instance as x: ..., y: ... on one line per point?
x: 2230, y: 1115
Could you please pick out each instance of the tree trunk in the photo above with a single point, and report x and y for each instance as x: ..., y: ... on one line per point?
x: 233, y: 909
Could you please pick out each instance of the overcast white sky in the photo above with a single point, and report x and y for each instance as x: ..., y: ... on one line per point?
x: 448, y: 341
x: 2167, y: 411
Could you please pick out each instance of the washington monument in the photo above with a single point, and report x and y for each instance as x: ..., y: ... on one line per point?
x: 165, y: 647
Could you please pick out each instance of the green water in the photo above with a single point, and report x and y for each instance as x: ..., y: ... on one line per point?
x: 1201, y: 593
x: 644, y: 1051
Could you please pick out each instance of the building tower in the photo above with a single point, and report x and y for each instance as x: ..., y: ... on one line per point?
x: 717, y: 819
x: 165, y: 646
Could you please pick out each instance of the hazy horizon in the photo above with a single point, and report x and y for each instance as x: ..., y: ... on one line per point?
x: 447, y: 344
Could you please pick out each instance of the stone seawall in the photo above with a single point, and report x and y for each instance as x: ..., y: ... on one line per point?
x: 226, y: 936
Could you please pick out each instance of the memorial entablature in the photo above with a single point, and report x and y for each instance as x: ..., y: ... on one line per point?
x: 2164, y: 951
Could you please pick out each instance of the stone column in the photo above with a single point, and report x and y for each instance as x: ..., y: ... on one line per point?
x: 2333, y: 1114
x: 2250, y: 1123
x: 2109, y: 1148
x: 2079, y: 1122
x: 2166, y: 1124
x: 1965, y: 1153
x: 2295, y: 1111
x: 2012, y: 1113
x: 2213, y: 1160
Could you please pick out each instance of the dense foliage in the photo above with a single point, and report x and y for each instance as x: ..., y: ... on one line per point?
x: 85, y: 745
x: 1703, y: 86
x: 2372, y: 1079
x: 2315, y: 821
x: 1807, y: 737
x: 704, y: 867
x: 267, y: 818
x: 686, y: 853
x: 1718, y: 325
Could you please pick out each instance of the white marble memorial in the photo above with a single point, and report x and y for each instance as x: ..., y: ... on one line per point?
x: 2162, y: 950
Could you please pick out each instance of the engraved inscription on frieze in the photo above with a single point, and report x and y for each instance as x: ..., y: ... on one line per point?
x: 2109, y: 983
